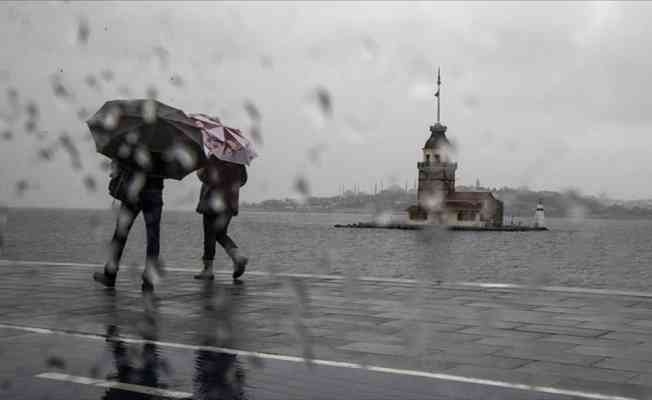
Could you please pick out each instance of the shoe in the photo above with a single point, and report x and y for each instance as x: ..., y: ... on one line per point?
x: 206, y: 273
x: 105, y: 279
x: 239, y: 267
x: 204, y: 277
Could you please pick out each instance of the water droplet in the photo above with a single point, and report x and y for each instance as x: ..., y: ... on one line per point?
x: 107, y: 75
x: 12, y: 96
x: 216, y: 203
x: 301, y: 186
x: 83, y: 31
x: 32, y: 110
x: 30, y: 126
x: 59, y: 89
x: 177, y: 80
x: 143, y: 158
x: 124, y: 91
x: 7, y: 135
x: 83, y: 114
x: 149, y: 111
x: 46, y: 154
x: 266, y: 62
x: 124, y: 151
x: 252, y: 111
x: 319, y: 107
x: 112, y: 118
x: 471, y: 101
x: 324, y: 100
x: 369, y: 49
x: 182, y: 155
x: 105, y: 165
x: 90, y: 183
x: 92, y: 82
x: 135, y: 186
x: 162, y: 55
x: 21, y: 187
x: 55, y: 362
x: 256, y: 134
x: 70, y: 147
x: 132, y: 138
x: 315, y: 153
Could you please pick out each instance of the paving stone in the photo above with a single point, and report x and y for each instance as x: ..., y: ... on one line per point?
x: 376, y: 348
x: 626, y: 364
x: 627, y: 390
x: 493, y: 361
x: 616, y: 352
x: 564, y: 330
x: 504, y: 333
x: 645, y: 380
x: 503, y: 375
x: 562, y: 357
x: 538, y: 345
x: 566, y: 370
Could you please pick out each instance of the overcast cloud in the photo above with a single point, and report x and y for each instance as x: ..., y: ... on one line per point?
x: 548, y: 95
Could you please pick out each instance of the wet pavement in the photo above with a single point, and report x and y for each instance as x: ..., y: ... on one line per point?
x: 317, y: 337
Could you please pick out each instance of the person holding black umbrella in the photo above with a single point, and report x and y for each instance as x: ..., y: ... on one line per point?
x: 148, y: 141
x: 137, y: 191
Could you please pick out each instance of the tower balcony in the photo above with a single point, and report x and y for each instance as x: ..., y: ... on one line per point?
x: 436, y: 164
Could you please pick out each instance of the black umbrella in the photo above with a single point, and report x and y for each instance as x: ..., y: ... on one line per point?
x: 149, y: 136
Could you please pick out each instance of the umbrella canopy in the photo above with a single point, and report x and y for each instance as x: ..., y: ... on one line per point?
x: 148, y: 135
x: 223, y: 142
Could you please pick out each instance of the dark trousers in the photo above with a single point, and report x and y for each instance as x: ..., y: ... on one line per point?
x: 151, y: 204
x: 215, y: 230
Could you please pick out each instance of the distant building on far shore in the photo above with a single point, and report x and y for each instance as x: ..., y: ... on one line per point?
x: 437, y: 200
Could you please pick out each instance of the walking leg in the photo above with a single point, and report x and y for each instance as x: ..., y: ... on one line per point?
x: 239, y: 261
x: 125, y: 220
x: 209, y: 247
x: 152, y: 209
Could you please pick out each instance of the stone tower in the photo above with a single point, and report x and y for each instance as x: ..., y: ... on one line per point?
x: 437, y: 169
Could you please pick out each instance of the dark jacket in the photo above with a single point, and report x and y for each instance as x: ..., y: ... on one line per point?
x: 220, y: 189
x: 128, y: 185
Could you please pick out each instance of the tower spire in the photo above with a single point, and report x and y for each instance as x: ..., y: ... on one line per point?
x: 437, y: 93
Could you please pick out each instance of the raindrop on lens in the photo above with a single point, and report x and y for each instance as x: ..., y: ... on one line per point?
x: 112, y: 118
x: 143, y: 158
x: 252, y: 111
x: 83, y: 31
x: 21, y: 187
x: 90, y: 183
x: 107, y: 75
x: 55, y: 362
x: 135, y: 186
x: 216, y: 204
x: 132, y: 138
x: 149, y: 111
x: 124, y: 151
x: 181, y: 154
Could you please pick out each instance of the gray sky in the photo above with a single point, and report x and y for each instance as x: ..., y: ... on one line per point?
x: 549, y: 95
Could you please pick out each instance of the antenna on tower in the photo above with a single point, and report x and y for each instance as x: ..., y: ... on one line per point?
x: 438, y: 92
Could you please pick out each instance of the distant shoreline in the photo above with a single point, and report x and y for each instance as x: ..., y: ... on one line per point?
x: 361, y: 212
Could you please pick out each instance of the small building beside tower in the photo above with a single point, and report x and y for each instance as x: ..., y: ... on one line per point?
x: 437, y: 200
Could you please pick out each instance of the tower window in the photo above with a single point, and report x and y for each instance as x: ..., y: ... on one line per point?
x: 437, y: 157
x: 427, y: 157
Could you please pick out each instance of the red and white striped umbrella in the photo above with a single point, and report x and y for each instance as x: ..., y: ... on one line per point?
x: 223, y: 142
